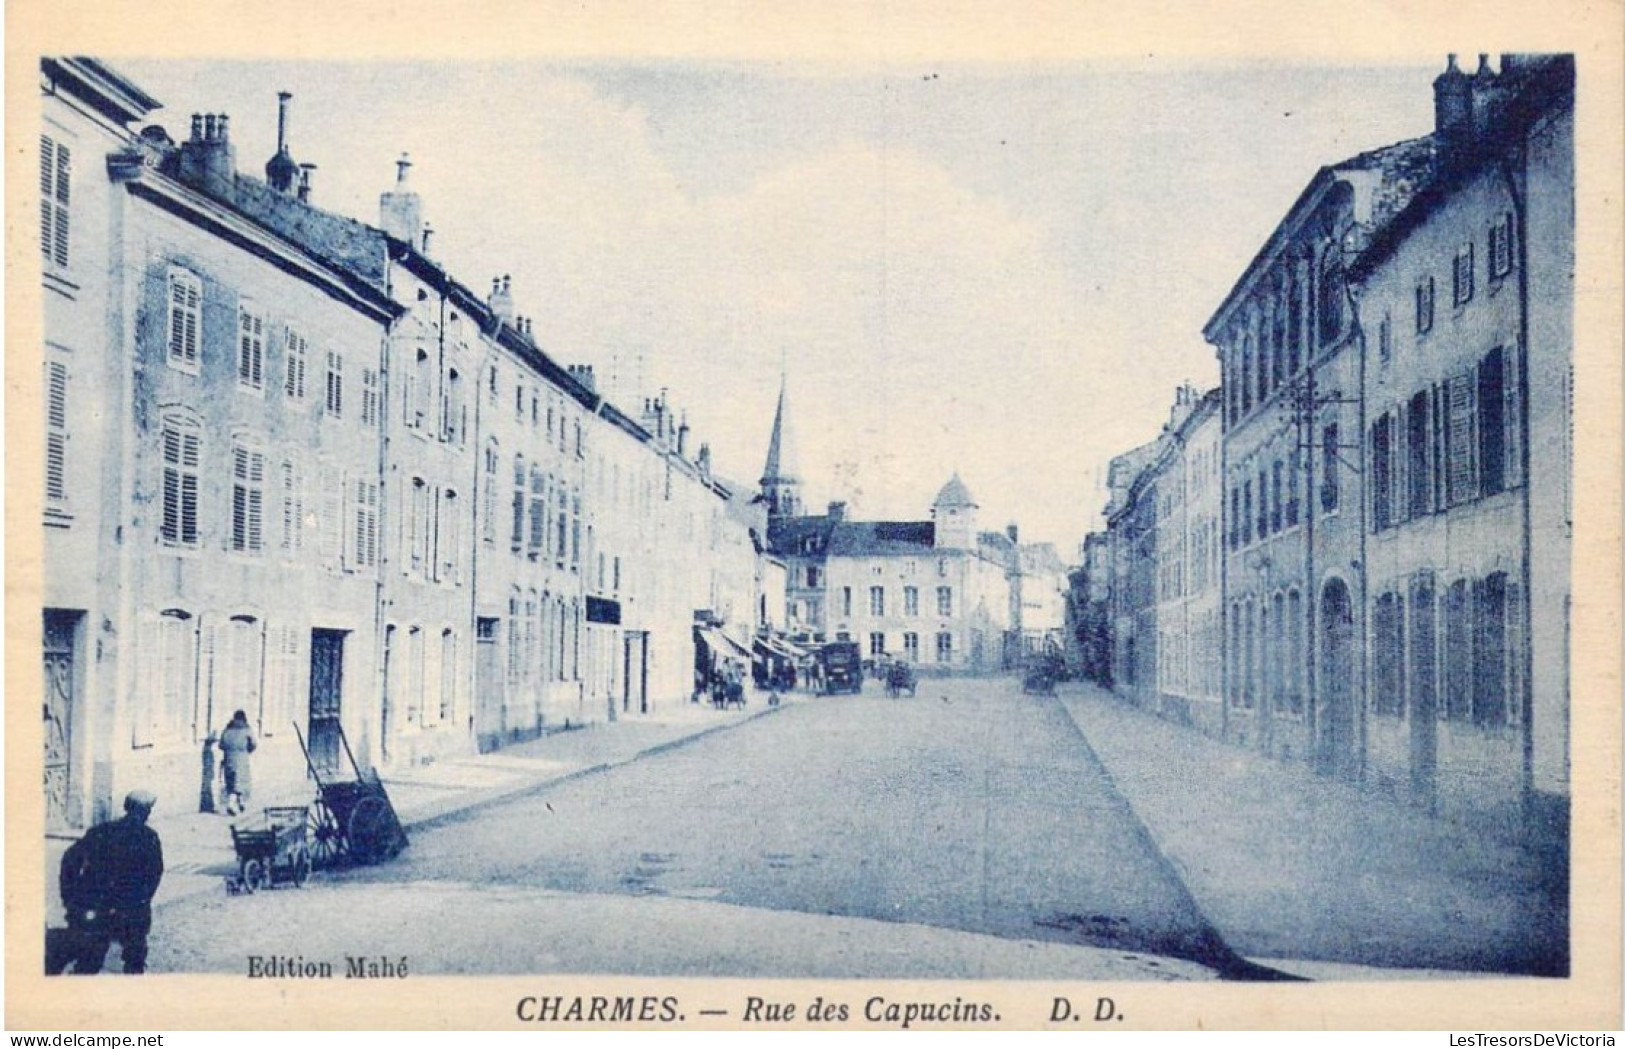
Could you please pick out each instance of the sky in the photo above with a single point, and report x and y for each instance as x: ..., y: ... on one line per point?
x: 1000, y: 270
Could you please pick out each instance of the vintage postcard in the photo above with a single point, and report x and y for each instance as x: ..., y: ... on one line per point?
x: 913, y: 517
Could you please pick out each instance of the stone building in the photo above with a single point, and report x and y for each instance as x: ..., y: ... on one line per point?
x: 1465, y: 302
x: 1289, y: 353
x: 1089, y: 611
x: 1131, y: 531
x: 294, y: 467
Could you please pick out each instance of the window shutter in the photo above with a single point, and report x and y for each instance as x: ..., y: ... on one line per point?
x: 56, y: 436
x: 1515, y: 648
x: 331, y: 521
x: 55, y: 167
x: 1511, y: 417
x: 1461, y: 439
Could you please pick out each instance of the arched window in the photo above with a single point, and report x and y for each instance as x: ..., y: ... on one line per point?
x: 488, y: 509
x: 1331, y: 301
x: 518, y: 538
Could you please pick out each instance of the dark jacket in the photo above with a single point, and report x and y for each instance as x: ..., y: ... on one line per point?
x: 115, y: 865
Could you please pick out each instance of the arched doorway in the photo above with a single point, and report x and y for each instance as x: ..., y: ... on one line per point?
x: 1338, y: 753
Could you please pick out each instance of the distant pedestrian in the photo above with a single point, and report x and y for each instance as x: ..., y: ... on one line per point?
x: 108, y: 879
x: 237, y: 743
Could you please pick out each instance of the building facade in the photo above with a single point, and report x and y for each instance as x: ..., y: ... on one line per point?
x: 295, y: 468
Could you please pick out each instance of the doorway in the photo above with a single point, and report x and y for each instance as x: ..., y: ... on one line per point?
x: 488, y: 727
x: 326, y: 698
x: 60, y: 686
x: 1337, y: 722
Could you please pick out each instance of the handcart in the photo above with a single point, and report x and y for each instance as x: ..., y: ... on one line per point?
x: 352, y: 820
x: 273, y: 852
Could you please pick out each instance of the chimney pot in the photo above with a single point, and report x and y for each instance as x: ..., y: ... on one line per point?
x: 197, y: 127
x: 402, y: 166
x: 220, y: 128
x: 208, y: 127
x: 1484, y: 64
x: 428, y: 231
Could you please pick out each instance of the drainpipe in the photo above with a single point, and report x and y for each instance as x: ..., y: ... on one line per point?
x: 1360, y: 575
x: 1508, y: 168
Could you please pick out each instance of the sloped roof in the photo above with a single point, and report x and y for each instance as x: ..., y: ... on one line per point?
x: 954, y: 493
x: 882, y: 538
x: 788, y: 537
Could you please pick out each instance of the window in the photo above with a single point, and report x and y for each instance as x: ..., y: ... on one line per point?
x: 911, y: 600
x: 417, y: 526
x: 945, y: 647
x: 448, y: 674
x: 1423, y: 660
x: 877, y: 644
x: 1492, y: 423
x: 1387, y: 655
x: 1424, y: 306
x: 293, y: 508
x: 1382, y: 472
x: 250, y: 350
x: 364, y: 515
x: 846, y: 602
x: 911, y: 647
x: 1330, y: 488
x: 812, y: 575
x: 945, y: 600
x: 56, y: 432
x: 293, y: 382
x: 371, y: 398
x: 517, y: 540
x: 488, y: 509
x: 1294, y: 324
x: 1385, y: 339
x: 519, y: 400
x: 55, y: 167
x: 1462, y: 274
x: 1501, y: 246
x: 1331, y: 303
x: 1419, y: 455
x: 1293, y: 701
x: 575, y: 533
x: 1293, y: 471
x: 538, y: 512
x: 185, y: 320
x: 418, y: 388
x: 247, y: 499
x: 877, y: 600
x: 1460, y: 439
x: 1246, y: 512
x: 452, y: 422
x: 1458, y: 652
x: 183, y: 446
x: 335, y: 384
x: 1490, y: 650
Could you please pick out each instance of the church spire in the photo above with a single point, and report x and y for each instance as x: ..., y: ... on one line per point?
x: 781, y: 486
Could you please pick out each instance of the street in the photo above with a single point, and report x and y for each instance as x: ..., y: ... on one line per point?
x: 967, y: 832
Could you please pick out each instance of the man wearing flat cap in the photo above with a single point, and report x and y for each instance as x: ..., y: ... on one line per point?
x: 108, y: 879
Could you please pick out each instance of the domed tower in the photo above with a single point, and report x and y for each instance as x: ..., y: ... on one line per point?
x: 954, y: 514
x: 781, y: 486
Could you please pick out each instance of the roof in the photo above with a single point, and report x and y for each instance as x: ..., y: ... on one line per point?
x: 882, y: 538
x: 954, y: 494
x: 1536, y: 84
x: 781, y: 454
x: 102, y: 87
x: 790, y: 536
x: 1404, y: 169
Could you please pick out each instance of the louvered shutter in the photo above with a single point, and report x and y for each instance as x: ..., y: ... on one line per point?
x: 55, y: 167
x: 1461, y: 437
x: 1512, y: 417
x: 56, y: 433
x: 147, y: 687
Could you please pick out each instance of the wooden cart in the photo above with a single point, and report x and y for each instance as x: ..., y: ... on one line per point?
x: 352, y: 821
x: 274, y: 852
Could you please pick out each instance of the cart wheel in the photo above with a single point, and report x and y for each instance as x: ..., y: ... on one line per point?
x: 326, y: 839
x: 372, y: 831
x: 256, y: 875
x: 300, y: 867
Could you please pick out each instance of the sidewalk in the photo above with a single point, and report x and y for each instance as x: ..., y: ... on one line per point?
x: 198, y: 854
x: 1297, y: 869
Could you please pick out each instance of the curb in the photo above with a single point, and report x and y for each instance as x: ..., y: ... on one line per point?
x: 1211, y: 950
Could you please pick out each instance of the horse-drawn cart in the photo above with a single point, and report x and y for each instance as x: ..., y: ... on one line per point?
x: 352, y: 820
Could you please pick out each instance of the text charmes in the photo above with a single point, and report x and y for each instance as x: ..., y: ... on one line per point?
x: 353, y: 967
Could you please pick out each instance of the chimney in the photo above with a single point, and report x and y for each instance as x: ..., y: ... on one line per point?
x: 428, y: 232
x: 208, y: 161
x: 682, y: 435
x: 1485, y: 83
x: 1452, y: 110
x: 400, y: 211
x: 280, y: 171
x: 304, y: 182
x: 501, y: 302
x: 1014, y: 533
x: 703, y: 460
x: 837, y: 511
